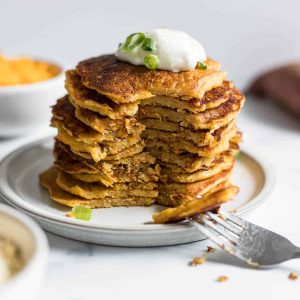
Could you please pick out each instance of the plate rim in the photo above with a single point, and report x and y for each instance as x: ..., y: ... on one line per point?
x: 12, y: 198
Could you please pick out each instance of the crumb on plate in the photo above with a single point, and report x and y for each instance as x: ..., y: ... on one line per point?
x: 210, y: 249
x: 222, y: 278
x: 197, y: 261
x: 293, y: 276
x: 70, y: 214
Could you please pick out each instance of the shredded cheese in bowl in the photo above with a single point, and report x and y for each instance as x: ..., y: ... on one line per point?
x: 11, y: 261
x: 25, y: 70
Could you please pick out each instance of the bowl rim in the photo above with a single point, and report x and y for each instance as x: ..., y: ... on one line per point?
x: 41, y: 246
x: 27, y: 87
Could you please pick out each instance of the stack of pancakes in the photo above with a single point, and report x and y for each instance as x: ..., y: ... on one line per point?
x: 130, y: 136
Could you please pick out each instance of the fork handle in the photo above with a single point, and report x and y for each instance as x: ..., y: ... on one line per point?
x: 297, y: 253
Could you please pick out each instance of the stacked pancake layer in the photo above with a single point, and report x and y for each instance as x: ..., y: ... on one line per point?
x: 131, y: 136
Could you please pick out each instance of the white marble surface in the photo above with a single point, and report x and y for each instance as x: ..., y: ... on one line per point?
x: 80, y: 271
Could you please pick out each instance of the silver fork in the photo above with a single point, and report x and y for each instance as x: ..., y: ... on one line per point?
x: 251, y: 243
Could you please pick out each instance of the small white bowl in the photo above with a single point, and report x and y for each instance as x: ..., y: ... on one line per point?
x: 26, y: 107
x: 34, y: 248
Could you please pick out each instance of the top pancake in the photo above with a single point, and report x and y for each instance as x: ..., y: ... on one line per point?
x: 211, y: 99
x: 123, y: 82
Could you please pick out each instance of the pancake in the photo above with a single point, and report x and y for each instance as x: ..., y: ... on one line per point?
x: 63, y: 151
x: 167, y: 174
x: 132, y: 150
x: 124, y: 83
x: 65, y: 113
x: 97, y: 191
x: 158, y: 130
x: 211, y: 99
x: 174, y: 194
x: 183, y: 146
x: 48, y: 180
x: 138, y: 168
x: 91, y: 100
x: 209, y: 119
x: 128, y: 135
x: 123, y: 127
x: 96, y: 151
x: 142, y: 173
x: 136, y: 157
x: 189, y: 163
x: 195, y: 206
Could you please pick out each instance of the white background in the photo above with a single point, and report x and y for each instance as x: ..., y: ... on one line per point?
x: 247, y: 37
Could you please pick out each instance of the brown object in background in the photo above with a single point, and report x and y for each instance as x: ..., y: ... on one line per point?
x: 281, y: 84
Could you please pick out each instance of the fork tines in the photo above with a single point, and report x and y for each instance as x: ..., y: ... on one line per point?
x: 220, y: 228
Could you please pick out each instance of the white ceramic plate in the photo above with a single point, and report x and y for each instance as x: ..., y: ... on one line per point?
x: 120, y: 226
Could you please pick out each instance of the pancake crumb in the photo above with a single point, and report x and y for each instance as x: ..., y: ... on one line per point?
x: 293, y: 276
x: 223, y: 217
x: 222, y: 278
x: 70, y: 214
x: 197, y: 261
x: 210, y: 249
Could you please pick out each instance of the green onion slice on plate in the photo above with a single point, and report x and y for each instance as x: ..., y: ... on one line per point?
x: 148, y: 44
x: 151, y: 61
x: 132, y: 41
x: 82, y: 212
x: 201, y: 65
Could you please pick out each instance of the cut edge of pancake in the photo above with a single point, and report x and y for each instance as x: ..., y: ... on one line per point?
x: 48, y: 181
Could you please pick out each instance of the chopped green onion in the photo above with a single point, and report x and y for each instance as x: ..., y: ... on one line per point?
x: 82, y: 212
x: 151, y: 61
x: 201, y: 65
x: 132, y: 41
x: 237, y: 156
x: 148, y: 44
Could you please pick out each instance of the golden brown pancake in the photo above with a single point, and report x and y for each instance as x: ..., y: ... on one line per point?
x: 128, y: 136
x: 183, y: 146
x: 100, y: 124
x: 138, y: 168
x: 90, y: 99
x: 63, y: 152
x: 174, y: 194
x: 187, y: 162
x: 132, y: 150
x: 96, y: 151
x: 194, y: 207
x: 48, y: 180
x: 64, y: 111
x: 158, y: 130
x: 123, y: 82
x: 168, y: 175
x: 135, y: 155
x: 211, y: 99
x: 142, y: 173
x: 209, y: 119
x: 190, y: 163
x: 97, y: 191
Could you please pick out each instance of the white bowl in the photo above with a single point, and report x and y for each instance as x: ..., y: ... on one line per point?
x: 26, y: 107
x: 34, y: 247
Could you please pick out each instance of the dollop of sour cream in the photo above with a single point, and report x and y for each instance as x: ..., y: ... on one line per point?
x: 175, y: 51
